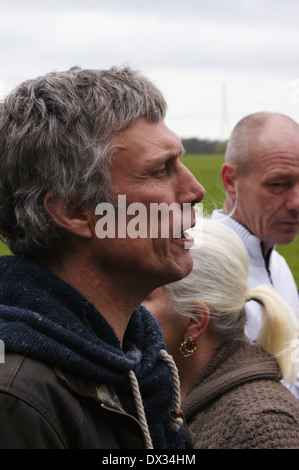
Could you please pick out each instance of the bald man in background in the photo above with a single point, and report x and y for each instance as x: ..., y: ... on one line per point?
x: 261, y: 179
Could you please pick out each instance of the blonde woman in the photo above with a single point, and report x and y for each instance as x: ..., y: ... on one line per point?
x: 231, y: 388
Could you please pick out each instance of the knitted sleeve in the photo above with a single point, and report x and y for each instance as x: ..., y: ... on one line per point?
x: 267, y: 430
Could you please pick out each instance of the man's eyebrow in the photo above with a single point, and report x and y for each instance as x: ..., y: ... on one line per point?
x: 174, y: 153
x: 168, y: 156
x: 277, y: 176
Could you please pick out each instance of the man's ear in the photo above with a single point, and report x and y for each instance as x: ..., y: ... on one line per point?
x: 229, y: 174
x: 197, y: 326
x: 67, y: 220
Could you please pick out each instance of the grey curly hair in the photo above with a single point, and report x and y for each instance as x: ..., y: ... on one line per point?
x: 57, y: 136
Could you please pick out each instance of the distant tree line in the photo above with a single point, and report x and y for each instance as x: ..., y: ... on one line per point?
x: 198, y: 146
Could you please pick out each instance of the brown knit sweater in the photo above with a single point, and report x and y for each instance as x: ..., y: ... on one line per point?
x: 239, y: 403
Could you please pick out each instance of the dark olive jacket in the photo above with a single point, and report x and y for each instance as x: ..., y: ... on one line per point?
x: 42, y: 409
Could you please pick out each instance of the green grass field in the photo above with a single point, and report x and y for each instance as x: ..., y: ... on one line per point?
x: 3, y: 249
x: 206, y: 168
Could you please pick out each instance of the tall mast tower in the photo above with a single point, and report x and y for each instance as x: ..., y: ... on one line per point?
x: 224, y: 126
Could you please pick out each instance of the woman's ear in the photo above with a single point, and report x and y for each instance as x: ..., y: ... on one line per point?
x: 197, y: 325
x: 67, y: 220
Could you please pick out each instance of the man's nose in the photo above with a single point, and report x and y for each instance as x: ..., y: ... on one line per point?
x: 293, y: 199
x: 190, y: 190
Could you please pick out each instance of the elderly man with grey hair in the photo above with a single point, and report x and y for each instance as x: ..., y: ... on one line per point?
x: 85, y: 363
x: 261, y: 179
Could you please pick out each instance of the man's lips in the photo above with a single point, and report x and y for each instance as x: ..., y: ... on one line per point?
x: 289, y: 222
x: 185, y: 240
x: 189, y: 240
x: 193, y: 218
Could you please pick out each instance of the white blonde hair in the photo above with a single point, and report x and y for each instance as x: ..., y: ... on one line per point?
x: 220, y: 279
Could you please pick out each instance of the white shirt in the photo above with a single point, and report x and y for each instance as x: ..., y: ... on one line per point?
x: 277, y: 273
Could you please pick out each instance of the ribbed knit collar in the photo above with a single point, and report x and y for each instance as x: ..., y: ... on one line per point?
x: 252, y: 242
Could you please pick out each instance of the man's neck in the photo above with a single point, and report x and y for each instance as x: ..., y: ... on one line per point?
x: 111, y: 297
x: 265, y: 247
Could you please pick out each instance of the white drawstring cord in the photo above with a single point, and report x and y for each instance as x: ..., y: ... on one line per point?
x: 176, y: 420
x: 140, y: 409
x: 176, y: 415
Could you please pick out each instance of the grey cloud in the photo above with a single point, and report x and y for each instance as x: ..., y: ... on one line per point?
x: 212, y: 37
x: 147, y: 41
x: 264, y: 10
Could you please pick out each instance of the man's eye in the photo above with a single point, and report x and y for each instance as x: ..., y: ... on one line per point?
x: 167, y: 167
x: 277, y: 186
x: 162, y: 170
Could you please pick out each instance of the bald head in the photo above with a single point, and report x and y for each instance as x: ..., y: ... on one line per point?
x: 261, y: 177
x: 255, y: 131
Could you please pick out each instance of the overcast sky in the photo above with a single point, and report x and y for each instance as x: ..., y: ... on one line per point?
x: 215, y: 60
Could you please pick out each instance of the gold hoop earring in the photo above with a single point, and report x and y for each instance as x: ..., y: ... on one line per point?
x: 187, y: 347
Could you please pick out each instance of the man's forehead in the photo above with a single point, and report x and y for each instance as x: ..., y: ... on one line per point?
x: 147, y: 135
x: 278, y: 137
x: 278, y: 129
x: 275, y: 164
